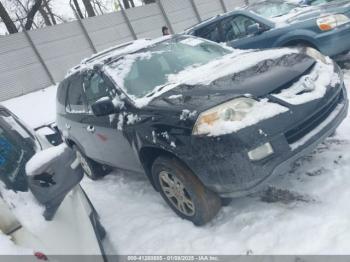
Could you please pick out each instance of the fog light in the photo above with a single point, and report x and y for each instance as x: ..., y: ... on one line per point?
x: 261, y: 152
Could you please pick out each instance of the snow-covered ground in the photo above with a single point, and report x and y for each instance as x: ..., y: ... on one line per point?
x: 311, y: 217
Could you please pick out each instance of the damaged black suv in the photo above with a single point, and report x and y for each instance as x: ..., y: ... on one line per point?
x: 203, y: 121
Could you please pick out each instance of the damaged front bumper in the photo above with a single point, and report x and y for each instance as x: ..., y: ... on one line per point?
x: 223, y: 165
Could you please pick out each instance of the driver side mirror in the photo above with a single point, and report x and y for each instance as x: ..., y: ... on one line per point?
x: 103, y: 107
x: 254, y: 29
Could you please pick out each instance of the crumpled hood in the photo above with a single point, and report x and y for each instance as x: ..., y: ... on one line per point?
x: 209, y: 85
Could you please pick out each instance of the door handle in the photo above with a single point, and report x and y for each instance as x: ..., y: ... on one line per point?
x: 68, y: 126
x: 90, y: 129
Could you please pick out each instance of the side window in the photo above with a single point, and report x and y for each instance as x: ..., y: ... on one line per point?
x: 62, y: 92
x: 210, y: 32
x: 236, y: 27
x: 75, y: 99
x: 96, y: 87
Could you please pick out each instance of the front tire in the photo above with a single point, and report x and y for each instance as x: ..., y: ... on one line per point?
x: 92, y: 169
x: 184, y: 192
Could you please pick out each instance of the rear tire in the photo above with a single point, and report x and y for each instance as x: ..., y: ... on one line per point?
x: 183, y: 191
x: 92, y: 169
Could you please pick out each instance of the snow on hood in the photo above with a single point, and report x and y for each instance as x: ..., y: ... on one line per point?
x: 205, y: 74
x: 312, y: 86
x: 228, y: 65
x: 284, y: 20
x: 309, y: 12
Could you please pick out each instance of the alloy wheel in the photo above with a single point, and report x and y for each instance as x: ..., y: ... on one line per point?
x: 176, y: 193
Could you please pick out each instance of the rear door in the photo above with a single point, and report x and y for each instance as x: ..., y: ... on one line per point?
x: 110, y: 145
x: 76, y: 113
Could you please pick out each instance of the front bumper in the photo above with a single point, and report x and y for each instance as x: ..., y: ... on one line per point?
x: 222, y: 163
x: 334, y: 42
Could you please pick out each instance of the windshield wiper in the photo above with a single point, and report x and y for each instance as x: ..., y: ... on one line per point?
x: 158, y: 90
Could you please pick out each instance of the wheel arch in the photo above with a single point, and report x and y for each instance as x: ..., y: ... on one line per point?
x: 72, y: 142
x: 148, y: 155
x: 300, y: 42
x: 294, y: 38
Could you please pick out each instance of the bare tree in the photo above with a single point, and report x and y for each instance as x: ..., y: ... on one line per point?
x: 47, y: 7
x: 88, y: 7
x: 126, y: 4
x: 99, y: 6
x: 77, y: 8
x: 10, y: 25
x: 32, y: 12
x: 45, y: 16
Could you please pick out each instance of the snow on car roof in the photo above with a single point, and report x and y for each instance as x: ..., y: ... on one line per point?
x: 115, y: 52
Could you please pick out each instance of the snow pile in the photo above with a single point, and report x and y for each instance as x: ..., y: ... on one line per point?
x: 7, y: 247
x: 37, y: 108
x: 25, y: 208
x: 312, y: 86
x: 261, y: 110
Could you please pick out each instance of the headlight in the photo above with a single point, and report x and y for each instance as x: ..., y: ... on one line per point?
x: 234, y: 110
x: 330, y: 22
x: 315, y: 54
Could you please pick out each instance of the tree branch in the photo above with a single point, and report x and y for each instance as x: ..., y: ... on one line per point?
x: 31, y: 14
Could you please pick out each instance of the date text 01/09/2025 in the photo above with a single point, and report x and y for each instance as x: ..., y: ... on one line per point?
x: 172, y: 258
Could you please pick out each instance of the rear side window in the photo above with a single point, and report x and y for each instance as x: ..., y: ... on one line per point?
x: 75, y: 99
x: 211, y: 32
x: 62, y: 92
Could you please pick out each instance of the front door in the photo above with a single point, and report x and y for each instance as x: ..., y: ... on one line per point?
x: 111, y: 145
x: 235, y: 33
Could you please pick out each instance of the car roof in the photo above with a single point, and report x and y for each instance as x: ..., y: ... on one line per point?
x: 114, y: 53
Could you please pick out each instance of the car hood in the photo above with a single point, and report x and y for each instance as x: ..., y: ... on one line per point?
x: 309, y: 12
x: 257, y: 80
